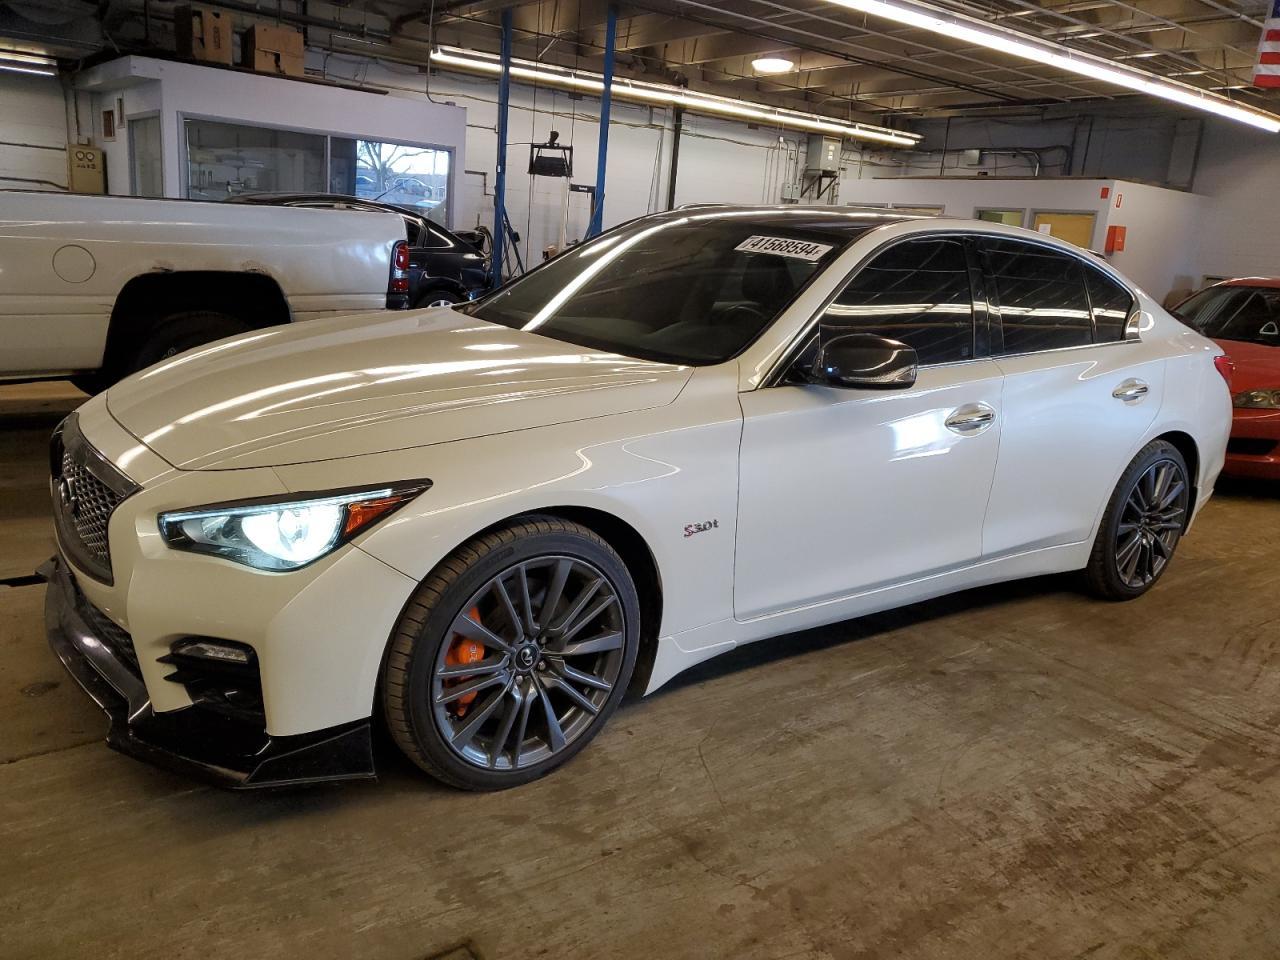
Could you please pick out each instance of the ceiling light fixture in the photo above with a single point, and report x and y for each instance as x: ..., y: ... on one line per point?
x: 668, y: 95
x: 773, y: 65
x: 969, y: 30
x: 17, y: 62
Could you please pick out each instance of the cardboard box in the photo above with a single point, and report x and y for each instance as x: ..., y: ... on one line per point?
x: 274, y: 49
x: 202, y: 34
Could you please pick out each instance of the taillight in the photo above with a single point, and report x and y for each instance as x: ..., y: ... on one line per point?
x: 399, y: 268
x: 1227, y: 367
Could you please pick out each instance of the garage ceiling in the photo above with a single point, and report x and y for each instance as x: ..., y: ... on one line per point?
x: 851, y: 65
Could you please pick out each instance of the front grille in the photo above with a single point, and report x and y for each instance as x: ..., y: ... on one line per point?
x: 86, y: 491
x: 92, y: 503
x: 1251, y: 446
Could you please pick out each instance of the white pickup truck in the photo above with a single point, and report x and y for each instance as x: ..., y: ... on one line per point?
x: 93, y: 288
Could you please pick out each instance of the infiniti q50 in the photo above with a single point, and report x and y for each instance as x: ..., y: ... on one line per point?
x: 700, y: 429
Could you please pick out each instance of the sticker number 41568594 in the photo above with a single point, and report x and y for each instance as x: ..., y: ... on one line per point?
x: 785, y: 247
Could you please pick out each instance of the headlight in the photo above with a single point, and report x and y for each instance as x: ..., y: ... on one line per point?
x: 280, y: 533
x: 1257, y: 399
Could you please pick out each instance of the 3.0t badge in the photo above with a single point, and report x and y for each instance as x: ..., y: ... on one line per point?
x: 702, y: 527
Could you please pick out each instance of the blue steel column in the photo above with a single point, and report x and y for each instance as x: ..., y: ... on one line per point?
x: 606, y: 102
x: 500, y: 181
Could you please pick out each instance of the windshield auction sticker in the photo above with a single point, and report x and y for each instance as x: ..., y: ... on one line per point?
x: 783, y: 247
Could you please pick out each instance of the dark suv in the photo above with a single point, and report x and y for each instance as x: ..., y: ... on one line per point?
x: 443, y: 267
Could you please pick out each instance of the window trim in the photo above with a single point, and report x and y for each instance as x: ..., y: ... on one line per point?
x: 1085, y: 263
x: 777, y: 373
x: 800, y: 342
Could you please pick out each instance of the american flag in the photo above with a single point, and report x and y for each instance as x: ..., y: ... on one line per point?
x: 1267, y: 71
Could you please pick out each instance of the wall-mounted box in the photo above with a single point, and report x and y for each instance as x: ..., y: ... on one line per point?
x: 201, y: 34
x: 272, y: 49
x: 823, y: 155
x: 86, y: 169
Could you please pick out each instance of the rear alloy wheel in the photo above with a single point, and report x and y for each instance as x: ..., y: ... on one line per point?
x: 1143, y: 524
x: 512, y: 654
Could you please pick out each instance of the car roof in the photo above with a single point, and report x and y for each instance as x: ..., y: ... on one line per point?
x: 1272, y: 283
x: 840, y: 223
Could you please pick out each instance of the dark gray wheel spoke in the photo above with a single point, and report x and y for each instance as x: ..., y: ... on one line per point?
x: 474, y: 630
x: 555, y: 590
x: 508, y: 608
x: 1128, y: 549
x: 453, y: 693
x: 474, y: 721
x: 1171, y: 496
x: 578, y: 676
x: 522, y: 574
x: 481, y: 668
x: 514, y: 704
x: 553, y: 682
x: 575, y: 609
x: 555, y: 735
x: 597, y: 608
x: 522, y: 723
x: 604, y: 642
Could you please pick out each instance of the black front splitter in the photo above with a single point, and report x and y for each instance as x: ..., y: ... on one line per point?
x: 196, y: 741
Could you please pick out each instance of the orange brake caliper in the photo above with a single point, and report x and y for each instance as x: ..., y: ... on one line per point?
x: 464, y: 651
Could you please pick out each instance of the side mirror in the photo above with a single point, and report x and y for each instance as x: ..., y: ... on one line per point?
x: 865, y: 361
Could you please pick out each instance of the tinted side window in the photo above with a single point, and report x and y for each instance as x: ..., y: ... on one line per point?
x: 1111, y: 303
x: 1041, y: 295
x: 917, y: 292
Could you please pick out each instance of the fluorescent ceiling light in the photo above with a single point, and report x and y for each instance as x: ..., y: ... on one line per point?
x: 668, y: 95
x: 15, y: 68
x: 969, y: 30
x: 773, y: 65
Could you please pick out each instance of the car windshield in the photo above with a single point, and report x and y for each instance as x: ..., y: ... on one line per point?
x: 1251, y: 314
x: 691, y: 289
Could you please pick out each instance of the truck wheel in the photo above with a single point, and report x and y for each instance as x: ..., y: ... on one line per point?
x: 182, y: 331
x: 437, y: 297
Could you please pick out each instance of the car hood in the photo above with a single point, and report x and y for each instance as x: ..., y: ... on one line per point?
x: 327, y: 389
x: 1257, y: 365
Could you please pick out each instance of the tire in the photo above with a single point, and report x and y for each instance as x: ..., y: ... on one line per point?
x: 1142, y: 525
x: 501, y: 734
x: 438, y: 297
x: 182, y: 331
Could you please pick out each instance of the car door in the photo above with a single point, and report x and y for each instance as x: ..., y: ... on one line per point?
x: 1080, y: 392
x: 844, y: 490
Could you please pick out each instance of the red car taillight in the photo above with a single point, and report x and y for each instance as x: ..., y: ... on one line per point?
x: 399, y: 268
x: 1227, y: 367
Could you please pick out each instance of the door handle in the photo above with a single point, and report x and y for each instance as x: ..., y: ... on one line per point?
x: 971, y: 419
x: 1131, y: 391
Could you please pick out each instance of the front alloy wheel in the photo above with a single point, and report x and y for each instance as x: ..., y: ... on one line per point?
x: 512, y: 654
x: 1142, y: 525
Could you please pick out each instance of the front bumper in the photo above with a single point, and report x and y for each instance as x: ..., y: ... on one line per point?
x: 1254, y: 447
x: 196, y: 741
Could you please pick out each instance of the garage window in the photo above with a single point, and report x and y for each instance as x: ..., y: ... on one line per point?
x: 1041, y: 296
x: 400, y: 173
x: 917, y: 292
x: 225, y: 159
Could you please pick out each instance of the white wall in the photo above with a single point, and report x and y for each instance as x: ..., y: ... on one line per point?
x: 1239, y: 171
x: 33, y: 133
x: 1160, y: 224
x: 178, y: 90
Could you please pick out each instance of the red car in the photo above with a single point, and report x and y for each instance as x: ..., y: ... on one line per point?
x: 1244, y: 317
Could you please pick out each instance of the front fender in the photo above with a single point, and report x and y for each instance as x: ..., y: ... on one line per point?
x: 657, y: 470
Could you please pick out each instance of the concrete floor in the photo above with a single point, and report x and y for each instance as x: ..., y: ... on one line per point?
x: 1015, y: 772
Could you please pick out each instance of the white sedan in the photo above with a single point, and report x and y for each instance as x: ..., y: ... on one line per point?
x: 703, y: 428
